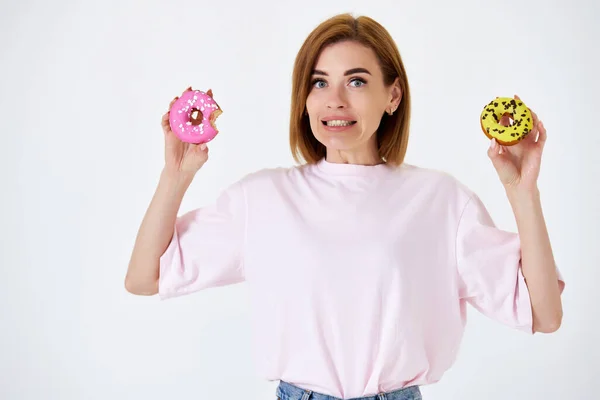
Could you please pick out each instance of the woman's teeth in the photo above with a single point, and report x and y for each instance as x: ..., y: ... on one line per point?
x: 338, y: 123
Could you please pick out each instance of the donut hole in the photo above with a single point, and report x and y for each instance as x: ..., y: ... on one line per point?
x: 507, y: 120
x: 196, y: 117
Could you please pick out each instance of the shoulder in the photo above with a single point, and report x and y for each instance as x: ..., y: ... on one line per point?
x: 439, y: 183
x: 265, y: 177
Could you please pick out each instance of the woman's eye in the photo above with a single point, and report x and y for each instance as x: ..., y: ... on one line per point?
x: 316, y: 83
x: 359, y: 81
x: 356, y: 82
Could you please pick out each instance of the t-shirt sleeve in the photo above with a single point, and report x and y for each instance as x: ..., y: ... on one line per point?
x: 206, y: 249
x: 489, y: 268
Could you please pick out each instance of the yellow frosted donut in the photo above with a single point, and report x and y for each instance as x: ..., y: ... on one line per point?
x: 506, y: 135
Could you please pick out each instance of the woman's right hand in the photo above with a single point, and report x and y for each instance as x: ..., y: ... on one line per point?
x: 181, y: 157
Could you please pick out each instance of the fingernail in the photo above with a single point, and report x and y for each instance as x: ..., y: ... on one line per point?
x: 203, y: 146
x: 492, y: 144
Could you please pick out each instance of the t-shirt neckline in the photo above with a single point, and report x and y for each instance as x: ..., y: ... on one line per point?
x: 334, y: 168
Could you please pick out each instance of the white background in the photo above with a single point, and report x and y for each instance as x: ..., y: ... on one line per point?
x: 83, y: 87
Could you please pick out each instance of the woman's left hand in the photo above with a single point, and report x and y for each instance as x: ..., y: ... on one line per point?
x: 518, y: 166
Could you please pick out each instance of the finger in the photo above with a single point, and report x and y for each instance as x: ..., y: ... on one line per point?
x: 517, y: 97
x: 494, y: 149
x: 532, y: 134
x: 166, y: 126
x: 170, y: 105
x: 200, y: 149
x: 498, y: 159
x: 165, y: 117
x: 543, y: 136
x: 534, y: 116
x: 501, y: 150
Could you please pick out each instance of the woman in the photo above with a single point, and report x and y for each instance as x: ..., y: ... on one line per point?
x: 360, y: 266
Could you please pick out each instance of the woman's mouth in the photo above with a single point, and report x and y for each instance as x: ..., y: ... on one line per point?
x: 338, y: 123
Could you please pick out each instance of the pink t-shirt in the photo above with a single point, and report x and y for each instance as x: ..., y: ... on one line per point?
x: 359, y: 276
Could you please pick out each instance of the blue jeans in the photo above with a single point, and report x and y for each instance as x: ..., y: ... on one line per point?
x: 287, y: 391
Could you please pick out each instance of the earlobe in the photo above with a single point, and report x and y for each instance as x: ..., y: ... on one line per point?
x: 397, y: 99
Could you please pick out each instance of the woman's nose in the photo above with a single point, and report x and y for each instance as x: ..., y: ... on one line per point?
x: 336, y: 99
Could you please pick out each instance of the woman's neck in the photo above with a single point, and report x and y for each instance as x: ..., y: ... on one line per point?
x: 354, y: 157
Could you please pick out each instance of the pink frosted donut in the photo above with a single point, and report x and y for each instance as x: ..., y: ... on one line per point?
x: 192, y: 117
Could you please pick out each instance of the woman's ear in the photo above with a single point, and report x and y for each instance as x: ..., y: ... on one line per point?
x: 396, y: 94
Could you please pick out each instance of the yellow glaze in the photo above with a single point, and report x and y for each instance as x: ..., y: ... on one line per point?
x: 506, y: 135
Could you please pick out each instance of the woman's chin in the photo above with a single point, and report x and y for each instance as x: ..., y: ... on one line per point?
x: 338, y: 142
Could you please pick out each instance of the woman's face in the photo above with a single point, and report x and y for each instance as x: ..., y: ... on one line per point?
x: 347, y: 100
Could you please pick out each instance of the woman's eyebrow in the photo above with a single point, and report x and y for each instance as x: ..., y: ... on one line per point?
x: 349, y: 72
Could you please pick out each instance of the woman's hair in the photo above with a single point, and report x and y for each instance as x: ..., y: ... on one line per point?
x: 392, y: 134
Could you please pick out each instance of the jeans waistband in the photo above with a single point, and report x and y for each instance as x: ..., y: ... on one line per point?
x: 288, y: 391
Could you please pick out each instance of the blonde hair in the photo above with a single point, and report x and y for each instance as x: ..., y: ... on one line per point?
x: 392, y: 135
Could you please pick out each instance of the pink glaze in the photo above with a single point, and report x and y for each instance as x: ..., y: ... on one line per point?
x: 180, y: 117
